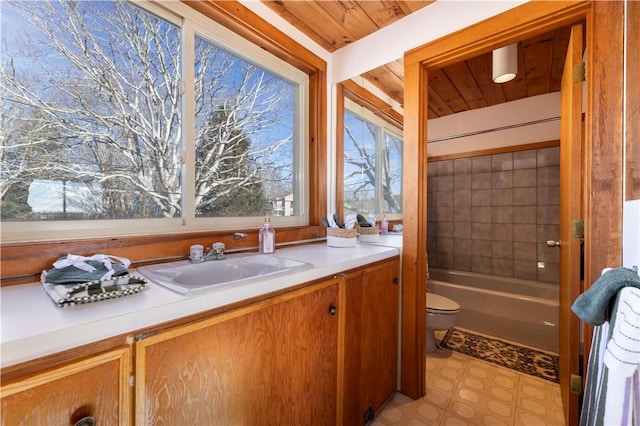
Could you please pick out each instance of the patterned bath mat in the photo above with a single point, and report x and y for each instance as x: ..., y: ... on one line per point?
x: 519, y: 358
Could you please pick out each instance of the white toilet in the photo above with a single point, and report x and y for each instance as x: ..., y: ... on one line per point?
x: 442, y: 314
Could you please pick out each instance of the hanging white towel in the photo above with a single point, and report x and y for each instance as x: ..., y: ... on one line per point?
x: 612, y: 392
x: 622, y: 360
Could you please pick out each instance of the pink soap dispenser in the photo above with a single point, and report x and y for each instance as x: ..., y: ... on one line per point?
x: 267, y: 237
x: 385, y: 225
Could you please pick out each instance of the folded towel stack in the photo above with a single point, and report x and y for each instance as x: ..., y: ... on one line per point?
x: 93, y: 291
x: 78, y: 279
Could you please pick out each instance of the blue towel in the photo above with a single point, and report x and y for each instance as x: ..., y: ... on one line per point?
x: 592, y: 306
x: 74, y: 269
x: 73, y: 275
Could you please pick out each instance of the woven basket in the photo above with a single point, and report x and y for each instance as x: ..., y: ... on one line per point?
x: 340, y: 237
x: 372, y: 230
x: 342, y: 233
x: 369, y: 234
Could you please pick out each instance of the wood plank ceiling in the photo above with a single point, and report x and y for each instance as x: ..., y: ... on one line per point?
x: 459, y: 87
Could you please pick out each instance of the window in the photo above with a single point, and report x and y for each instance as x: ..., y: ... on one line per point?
x: 372, y: 163
x: 244, y: 135
x: 115, y: 110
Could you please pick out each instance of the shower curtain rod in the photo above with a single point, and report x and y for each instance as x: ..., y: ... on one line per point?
x: 495, y: 129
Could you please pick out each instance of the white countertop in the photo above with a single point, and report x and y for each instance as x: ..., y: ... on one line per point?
x: 392, y: 239
x: 33, y: 326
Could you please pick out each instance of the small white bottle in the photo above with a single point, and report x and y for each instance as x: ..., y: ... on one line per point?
x: 384, y: 226
x: 267, y: 237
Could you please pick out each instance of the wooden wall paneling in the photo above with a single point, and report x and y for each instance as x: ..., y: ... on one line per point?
x: 632, y: 140
x: 381, y: 16
x: 353, y: 20
x: 603, y: 134
x: 244, y: 22
x: 412, y: 6
x: 540, y: 48
x: 437, y: 106
x: 386, y: 81
x: 632, y: 134
x: 318, y: 161
x: 561, y: 41
x: 368, y: 100
x: 604, y: 139
x: 446, y: 90
x: 322, y: 24
x: 471, y: 92
x: 397, y: 68
x: 335, y: 24
x: 493, y: 93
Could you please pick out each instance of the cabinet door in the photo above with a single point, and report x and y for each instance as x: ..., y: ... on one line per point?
x: 96, y: 387
x: 371, y: 345
x: 274, y: 362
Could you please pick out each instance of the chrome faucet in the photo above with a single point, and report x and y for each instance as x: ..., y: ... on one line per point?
x: 216, y: 252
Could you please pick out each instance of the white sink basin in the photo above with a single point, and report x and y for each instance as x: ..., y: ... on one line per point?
x: 184, y: 277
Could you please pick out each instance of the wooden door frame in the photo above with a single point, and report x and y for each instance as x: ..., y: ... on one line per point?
x: 603, y: 147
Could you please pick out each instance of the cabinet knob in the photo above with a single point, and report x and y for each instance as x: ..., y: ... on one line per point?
x: 332, y: 309
x: 86, y: 421
x: 396, y: 281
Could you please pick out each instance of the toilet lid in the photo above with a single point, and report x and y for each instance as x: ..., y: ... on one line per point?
x: 441, y: 303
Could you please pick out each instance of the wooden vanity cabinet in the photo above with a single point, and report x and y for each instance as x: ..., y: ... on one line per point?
x: 322, y: 354
x: 371, y: 342
x: 94, y: 389
x: 273, y: 362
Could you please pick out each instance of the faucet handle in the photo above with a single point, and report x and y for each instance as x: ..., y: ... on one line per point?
x: 218, y: 247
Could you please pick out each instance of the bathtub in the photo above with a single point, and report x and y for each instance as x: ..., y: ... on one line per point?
x: 522, y: 311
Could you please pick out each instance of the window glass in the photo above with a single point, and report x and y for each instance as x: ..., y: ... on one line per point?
x: 372, y: 164
x: 391, y: 173
x: 149, y: 113
x: 244, y: 136
x: 91, y: 112
x: 359, y: 164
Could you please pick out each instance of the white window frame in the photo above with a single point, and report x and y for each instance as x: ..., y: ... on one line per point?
x: 192, y: 23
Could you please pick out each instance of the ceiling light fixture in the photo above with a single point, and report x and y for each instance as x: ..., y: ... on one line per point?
x: 505, y: 63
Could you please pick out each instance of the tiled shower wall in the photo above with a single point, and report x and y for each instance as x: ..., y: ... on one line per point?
x: 494, y: 213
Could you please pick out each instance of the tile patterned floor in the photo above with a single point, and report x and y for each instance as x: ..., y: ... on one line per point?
x: 462, y: 390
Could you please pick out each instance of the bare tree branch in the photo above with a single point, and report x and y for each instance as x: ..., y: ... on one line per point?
x: 99, y: 103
